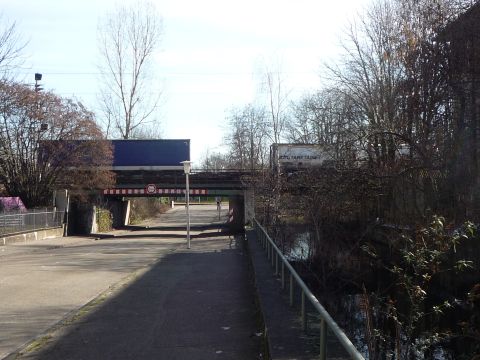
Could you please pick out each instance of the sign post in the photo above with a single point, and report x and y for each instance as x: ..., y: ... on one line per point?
x: 186, y: 168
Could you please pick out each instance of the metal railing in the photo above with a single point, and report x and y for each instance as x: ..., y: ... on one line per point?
x: 18, y: 222
x: 282, y: 265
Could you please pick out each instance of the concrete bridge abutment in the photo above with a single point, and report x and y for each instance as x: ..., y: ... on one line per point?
x: 236, y: 214
x: 120, y: 210
x: 82, y: 217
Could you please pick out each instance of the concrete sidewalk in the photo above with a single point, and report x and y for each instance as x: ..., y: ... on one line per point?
x: 187, y: 304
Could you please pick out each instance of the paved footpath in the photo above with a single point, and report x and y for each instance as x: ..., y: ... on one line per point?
x: 137, y: 295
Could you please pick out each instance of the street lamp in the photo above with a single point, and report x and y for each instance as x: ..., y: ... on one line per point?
x: 38, y: 87
x: 187, y: 165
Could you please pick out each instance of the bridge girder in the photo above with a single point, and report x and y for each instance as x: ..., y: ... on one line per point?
x: 225, y: 183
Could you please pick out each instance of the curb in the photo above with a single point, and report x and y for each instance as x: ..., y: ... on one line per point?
x: 31, y: 236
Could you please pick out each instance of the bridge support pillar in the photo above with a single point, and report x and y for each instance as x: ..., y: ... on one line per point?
x: 249, y: 200
x: 61, y: 201
x: 126, y: 212
x: 237, y: 214
x: 120, y: 211
x: 81, y: 218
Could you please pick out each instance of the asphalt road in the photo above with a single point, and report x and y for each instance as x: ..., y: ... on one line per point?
x: 139, y: 294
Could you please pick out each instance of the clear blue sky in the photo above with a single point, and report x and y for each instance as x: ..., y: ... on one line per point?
x: 210, y: 58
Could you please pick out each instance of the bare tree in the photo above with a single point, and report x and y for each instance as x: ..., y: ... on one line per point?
x: 246, y: 137
x: 31, y: 164
x: 370, y: 75
x: 214, y: 161
x: 128, y: 38
x: 395, y: 72
x: 330, y: 119
x: 276, y: 103
x: 11, y: 46
x: 146, y: 133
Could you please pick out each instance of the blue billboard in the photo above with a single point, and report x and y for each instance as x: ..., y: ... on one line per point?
x: 164, y: 154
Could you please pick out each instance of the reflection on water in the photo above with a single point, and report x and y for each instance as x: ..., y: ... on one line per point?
x: 299, y: 248
x: 347, y: 309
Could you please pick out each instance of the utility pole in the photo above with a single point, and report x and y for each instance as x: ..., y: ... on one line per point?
x: 38, y: 88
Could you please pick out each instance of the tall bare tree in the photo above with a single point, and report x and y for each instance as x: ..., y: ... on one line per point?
x: 128, y: 38
x: 395, y: 72
x: 330, y: 119
x: 246, y: 137
x: 11, y: 46
x: 276, y: 103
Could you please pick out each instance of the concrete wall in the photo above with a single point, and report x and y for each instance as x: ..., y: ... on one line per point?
x: 32, y: 236
x: 82, y: 217
x: 94, y: 228
x: 126, y: 212
x: 120, y: 211
x: 61, y: 200
x: 249, y: 204
x: 236, y: 222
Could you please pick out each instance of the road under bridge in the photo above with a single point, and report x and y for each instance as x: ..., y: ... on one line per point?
x: 172, y: 184
x: 154, y: 168
x: 152, y: 297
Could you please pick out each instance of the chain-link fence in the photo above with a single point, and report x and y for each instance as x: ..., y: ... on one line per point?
x: 11, y: 223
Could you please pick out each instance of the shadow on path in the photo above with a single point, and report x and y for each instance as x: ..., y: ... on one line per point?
x: 174, y: 228
x: 188, y: 305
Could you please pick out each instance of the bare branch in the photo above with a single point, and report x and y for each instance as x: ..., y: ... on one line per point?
x: 128, y: 38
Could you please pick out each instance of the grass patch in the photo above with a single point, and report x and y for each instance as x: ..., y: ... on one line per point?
x: 37, y: 344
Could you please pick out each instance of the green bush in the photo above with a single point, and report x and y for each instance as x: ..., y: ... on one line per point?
x: 104, y: 220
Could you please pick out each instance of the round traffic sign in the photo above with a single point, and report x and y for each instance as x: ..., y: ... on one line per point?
x: 151, y: 189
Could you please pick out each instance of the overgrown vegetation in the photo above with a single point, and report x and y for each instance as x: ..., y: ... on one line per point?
x: 144, y: 208
x: 424, y: 297
x: 399, y: 117
x: 104, y: 220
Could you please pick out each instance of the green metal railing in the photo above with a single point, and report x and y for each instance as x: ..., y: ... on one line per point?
x: 282, y: 266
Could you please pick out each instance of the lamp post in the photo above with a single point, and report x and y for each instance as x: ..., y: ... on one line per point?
x: 38, y: 115
x: 186, y: 168
x: 38, y: 77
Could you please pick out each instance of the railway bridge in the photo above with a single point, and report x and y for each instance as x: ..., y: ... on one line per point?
x: 154, y: 168
x: 231, y: 184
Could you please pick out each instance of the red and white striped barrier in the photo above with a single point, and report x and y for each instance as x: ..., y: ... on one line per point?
x: 145, y: 191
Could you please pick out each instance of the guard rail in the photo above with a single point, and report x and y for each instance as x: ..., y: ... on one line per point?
x: 278, y: 259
